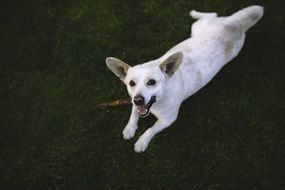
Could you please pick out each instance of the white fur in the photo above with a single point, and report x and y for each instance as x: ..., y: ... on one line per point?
x: 214, y: 42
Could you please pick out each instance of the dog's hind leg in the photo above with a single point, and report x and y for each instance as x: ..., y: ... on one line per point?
x: 246, y: 17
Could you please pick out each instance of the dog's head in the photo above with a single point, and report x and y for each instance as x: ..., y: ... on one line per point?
x: 146, y: 83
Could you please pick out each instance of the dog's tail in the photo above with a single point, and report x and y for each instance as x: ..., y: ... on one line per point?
x: 246, y: 17
x: 199, y: 15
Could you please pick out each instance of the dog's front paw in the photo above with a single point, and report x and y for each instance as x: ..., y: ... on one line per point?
x: 129, y: 132
x: 141, y: 145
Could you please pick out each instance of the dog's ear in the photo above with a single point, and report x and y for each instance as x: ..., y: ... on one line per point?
x: 118, y: 67
x: 171, y: 64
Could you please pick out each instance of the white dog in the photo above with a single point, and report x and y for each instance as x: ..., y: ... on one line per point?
x: 161, y: 85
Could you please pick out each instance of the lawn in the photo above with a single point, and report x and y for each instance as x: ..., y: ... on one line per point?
x: 53, y: 134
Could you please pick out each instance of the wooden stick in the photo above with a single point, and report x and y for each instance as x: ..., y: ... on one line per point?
x: 114, y: 103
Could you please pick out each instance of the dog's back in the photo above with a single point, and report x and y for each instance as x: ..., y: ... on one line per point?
x: 214, y: 42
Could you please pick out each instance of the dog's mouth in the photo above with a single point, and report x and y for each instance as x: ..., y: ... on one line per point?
x: 143, y: 110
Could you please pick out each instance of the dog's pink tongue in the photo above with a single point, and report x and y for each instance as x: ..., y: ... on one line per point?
x: 142, y: 110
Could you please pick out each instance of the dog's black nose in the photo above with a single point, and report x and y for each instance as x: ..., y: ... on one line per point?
x: 139, y: 100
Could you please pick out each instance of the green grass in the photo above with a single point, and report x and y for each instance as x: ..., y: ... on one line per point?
x: 230, y: 135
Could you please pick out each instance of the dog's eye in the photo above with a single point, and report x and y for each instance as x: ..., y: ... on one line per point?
x: 132, y: 83
x: 151, y: 82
